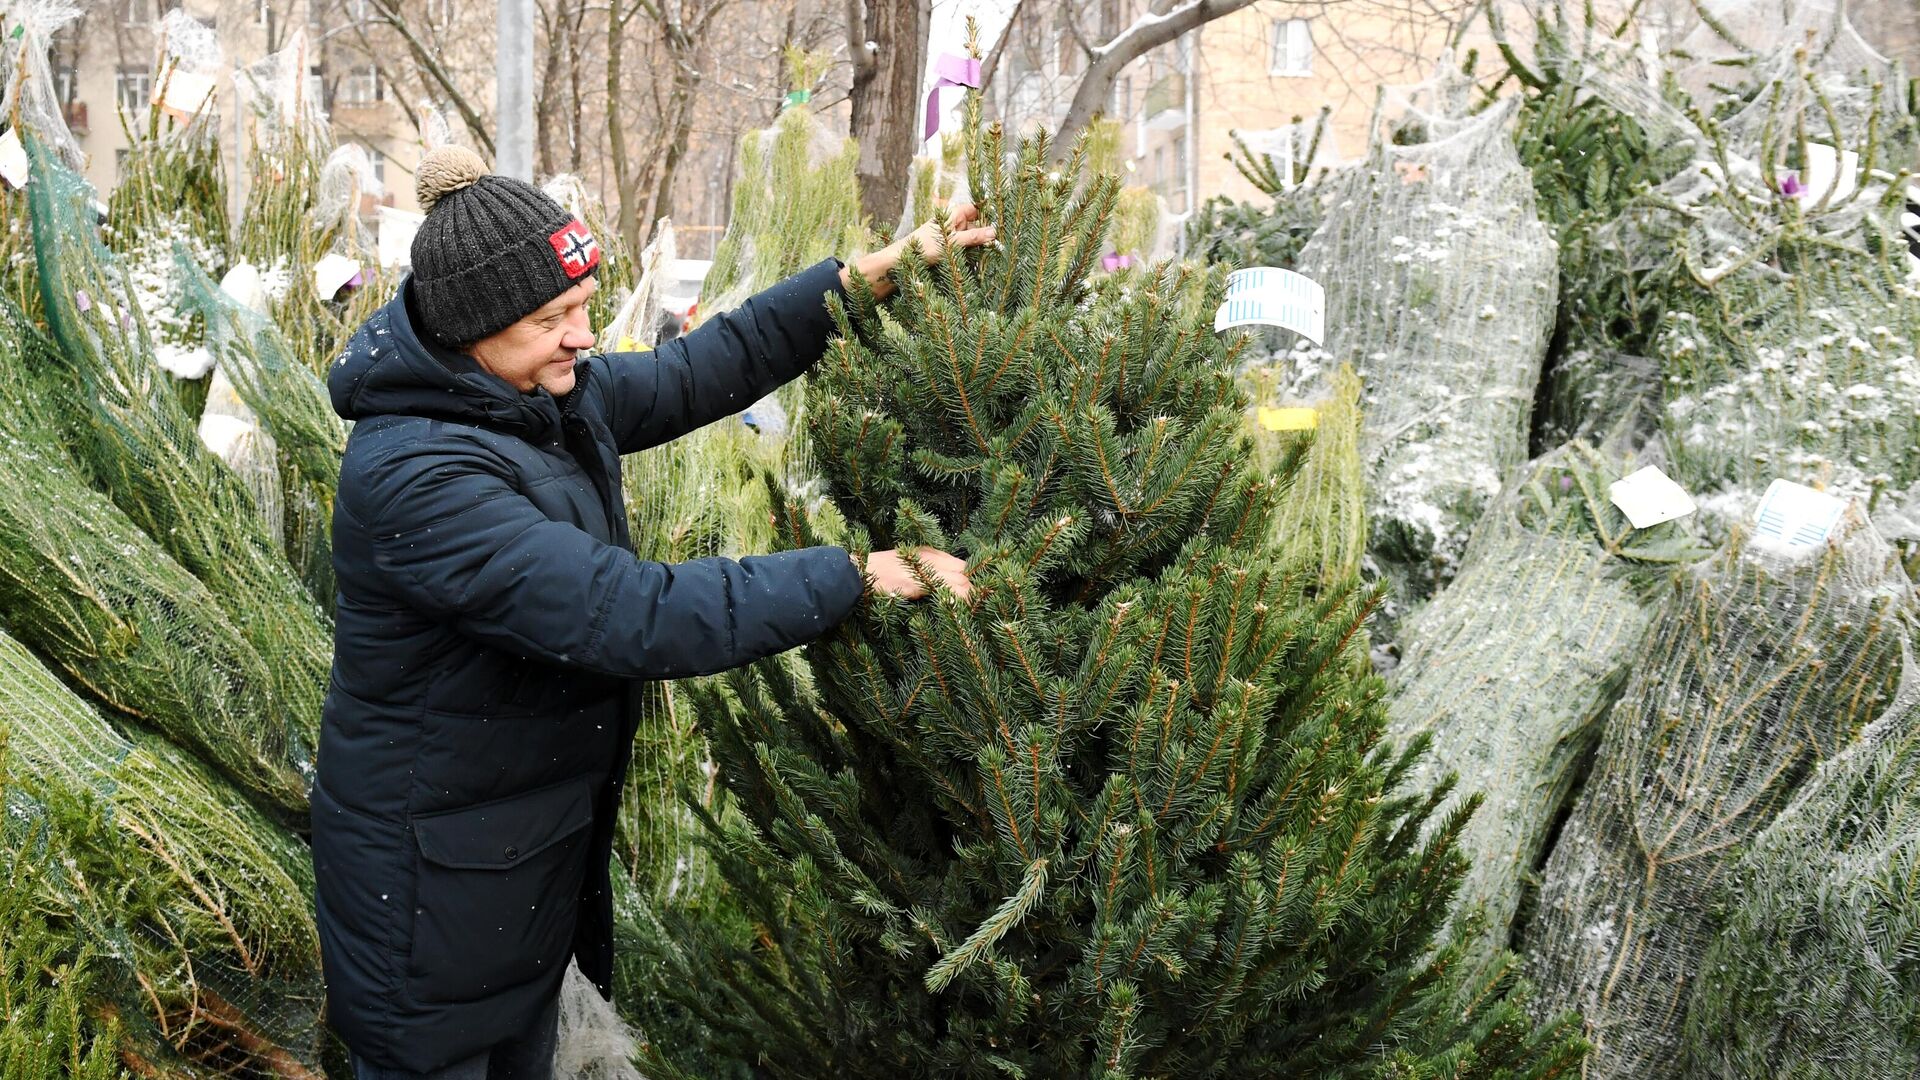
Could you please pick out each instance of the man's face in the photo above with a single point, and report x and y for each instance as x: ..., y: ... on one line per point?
x: 539, y: 349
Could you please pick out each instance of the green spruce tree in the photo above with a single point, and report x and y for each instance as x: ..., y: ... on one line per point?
x: 1129, y: 812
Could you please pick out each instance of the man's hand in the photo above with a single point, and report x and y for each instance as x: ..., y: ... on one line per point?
x: 893, y: 576
x: 876, y: 266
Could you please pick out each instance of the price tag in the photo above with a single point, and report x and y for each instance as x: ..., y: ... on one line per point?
x: 1649, y: 497
x: 1288, y: 419
x: 1796, y: 517
x: 13, y: 159
x: 1270, y: 296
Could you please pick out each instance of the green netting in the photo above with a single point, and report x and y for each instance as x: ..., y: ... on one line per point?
x: 1597, y: 125
x: 291, y: 406
x: 1778, y: 305
x: 1759, y: 665
x: 199, y: 906
x: 1510, y: 669
x: 81, y: 583
x: 143, y: 450
x: 1814, y: 974
x: 49, y: 977
x: 1440, y: 293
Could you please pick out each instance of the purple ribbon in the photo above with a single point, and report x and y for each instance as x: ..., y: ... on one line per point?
x: 1112, y: 261
x: 1791, y: 186
x: 949, y: 70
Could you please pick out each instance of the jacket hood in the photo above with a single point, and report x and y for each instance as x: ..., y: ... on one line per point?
x: 387, y: 369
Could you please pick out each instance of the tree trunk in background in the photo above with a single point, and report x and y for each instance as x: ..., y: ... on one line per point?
x: 623, y: 164
x: 885, y: 99
x: 679, y: 114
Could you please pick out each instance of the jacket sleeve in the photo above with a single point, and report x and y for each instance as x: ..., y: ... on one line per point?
x: 451, y: 537
x: 724, y: 365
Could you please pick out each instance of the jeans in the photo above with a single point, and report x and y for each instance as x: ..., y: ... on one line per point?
x: 528, y: 1056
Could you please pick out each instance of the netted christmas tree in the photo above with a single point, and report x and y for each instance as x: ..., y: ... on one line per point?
x: 1440, y: 283
x: 103, y: 602
x: 1760, y: 664
x: 295, y: 420
x: 1814, y: 973
x: 1510, y: 669
x: 137, y: 443
x: 193, y: 911
x: 1129, y: 812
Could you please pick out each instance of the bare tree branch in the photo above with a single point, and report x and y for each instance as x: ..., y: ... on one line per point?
x: 388, y: 12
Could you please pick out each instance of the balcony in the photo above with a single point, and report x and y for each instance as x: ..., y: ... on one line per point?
x: 77, y: 117
x: 1166, y: 104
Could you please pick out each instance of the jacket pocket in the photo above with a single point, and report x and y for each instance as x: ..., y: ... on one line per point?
x: 498, y: 892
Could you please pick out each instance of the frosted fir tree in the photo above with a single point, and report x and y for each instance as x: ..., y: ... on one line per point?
x: 1129, y: 813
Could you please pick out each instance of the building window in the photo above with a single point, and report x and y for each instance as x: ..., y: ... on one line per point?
x: 134, y: 86
x: 263, y: 12
x: 361, y: 86
x: 316, y: 88
x: 63, y: 82
x: 1292, y: 48
x: 359, y: 10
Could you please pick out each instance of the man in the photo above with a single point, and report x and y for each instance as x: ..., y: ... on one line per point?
x: 492, y: 620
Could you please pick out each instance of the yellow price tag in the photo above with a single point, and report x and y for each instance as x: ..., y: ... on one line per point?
x: 1288, y: 419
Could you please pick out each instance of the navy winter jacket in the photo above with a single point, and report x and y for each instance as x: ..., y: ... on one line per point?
x: 492, y: 625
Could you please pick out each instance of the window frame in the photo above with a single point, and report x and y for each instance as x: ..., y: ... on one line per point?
x: 1290, y: 40
x: 126, y: 77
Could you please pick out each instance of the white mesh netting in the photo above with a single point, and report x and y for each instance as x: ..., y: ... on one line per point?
x: 1510, y: 669
x: 1440, y: 293
x: 1813, y: 973
x: 1759, y: 665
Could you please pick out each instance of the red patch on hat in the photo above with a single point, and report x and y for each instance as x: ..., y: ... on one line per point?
x: 578, y: 250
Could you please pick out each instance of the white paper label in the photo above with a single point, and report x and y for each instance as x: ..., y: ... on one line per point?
x: 1270, y: 296
x: 1649, y: 497
x: 396, y: 235
x: 331, y: 274
x: 1796, y: 516
x: 184, y: 94
x: 13, y: 159
x: 1829, y: 170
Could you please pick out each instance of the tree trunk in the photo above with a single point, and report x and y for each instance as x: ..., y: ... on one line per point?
x: 547, y: 100
x: 886, y: 91
x: 630, y: 200
x: 680, y: 104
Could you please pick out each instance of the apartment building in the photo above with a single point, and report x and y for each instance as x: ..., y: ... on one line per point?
x: 1256, y: 69
x: 104, y: 65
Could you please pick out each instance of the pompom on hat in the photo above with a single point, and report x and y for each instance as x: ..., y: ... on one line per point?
x: 492, y: 250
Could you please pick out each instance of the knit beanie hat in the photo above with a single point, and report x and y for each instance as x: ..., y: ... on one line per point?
x: 492, y: 250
